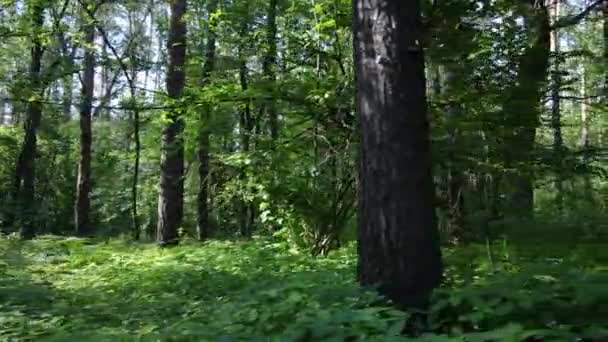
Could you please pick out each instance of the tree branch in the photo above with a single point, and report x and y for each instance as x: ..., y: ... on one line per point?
x: 575, y: 19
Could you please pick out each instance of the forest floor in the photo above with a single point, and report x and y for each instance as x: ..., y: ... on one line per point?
x: 75, y: 290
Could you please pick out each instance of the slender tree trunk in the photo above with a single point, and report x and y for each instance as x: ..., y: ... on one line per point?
x: 269, y: 65
x: 68, y: 85
x: 82, y: 207
x: 25, y: 175
x: 132, y: 80
x: 398, y: 239
x: 203, y: 230
x: 202, y: 226
x: 455, y: 190
x: 136, y: 162
x: 585, y: 141
x: 245, y: 128
x: 4, y: 111
x: 556, y: 118
x: 171, y: 197
x: 605, y: 26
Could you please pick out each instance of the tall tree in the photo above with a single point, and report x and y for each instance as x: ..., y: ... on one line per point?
x: 25, y: 175
x: 171, y: 197
x: 521, y: 110
x: 556, y: 116
x: 83, y: 188
x: 605, y: 27
x: 398, y: 239
x: 202, y: 224
x: 455, y: 178
x: 269, y: 65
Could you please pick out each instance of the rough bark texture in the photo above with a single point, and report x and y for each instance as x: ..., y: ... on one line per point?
x: 202, y: 224
x: 83, y: 187
x: 25, y: 175
x: 398, y: 239
x: 171, y: 197
x: 522, y: 113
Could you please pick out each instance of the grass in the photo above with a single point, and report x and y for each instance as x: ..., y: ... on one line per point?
x: 73, y: 289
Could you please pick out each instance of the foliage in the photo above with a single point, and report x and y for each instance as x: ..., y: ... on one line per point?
x: 60, y: 289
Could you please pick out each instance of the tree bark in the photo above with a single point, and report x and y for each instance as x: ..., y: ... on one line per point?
x: 605, y: 27
x: 4, y: 103
x: 171, y: 197
x: 522, y: 114
x: 556, y: 118
x: 202, y: 226
x: 585, y: 141
x: 245, y: 129
x: 455, y: 178
x: 25, y: 175
x: 269, y: 65
x: 398, y: 239
x: 83, y: 188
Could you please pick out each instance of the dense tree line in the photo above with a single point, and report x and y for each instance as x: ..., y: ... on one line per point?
x: 169, y: 120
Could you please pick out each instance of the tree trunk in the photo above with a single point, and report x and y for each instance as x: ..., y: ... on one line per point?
x: 4, y: 111
x: 398, y: 239
x: 522, y: 115
x: 455, y: 178
x: 25, y: 175
x: 556, y: 119
x: 269, y: 65
x: 585, y: 141
x: 83, y: 188
x: 245, y: 129
x: 202, y: 226
x: 605, y: 26
x: 171, y: 197
x: 67, y: 84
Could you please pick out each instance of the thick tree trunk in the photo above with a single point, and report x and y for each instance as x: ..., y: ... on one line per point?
x: 202, y: 226
x: 398, y: 238
x: 522, y: 115
x: 83, y: 188
x: 556, y: 118
x: 25, y: 176
x: 171, y: 197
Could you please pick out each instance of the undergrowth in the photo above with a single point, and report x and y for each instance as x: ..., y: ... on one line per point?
x: 56, y: 289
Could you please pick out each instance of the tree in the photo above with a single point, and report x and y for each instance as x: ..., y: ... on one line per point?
x: 25, y: 175
x: 556, y: 118
x: 269, y: 64
x: 202, y: 226
x: 398, y: 238
x: 83, y: 188
x: 521, y: 111
x: 171, y: 197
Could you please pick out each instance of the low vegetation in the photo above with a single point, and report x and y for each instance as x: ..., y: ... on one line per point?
x: 73, y: 289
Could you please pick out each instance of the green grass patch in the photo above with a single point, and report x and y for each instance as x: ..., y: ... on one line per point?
x: 74, y: 289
